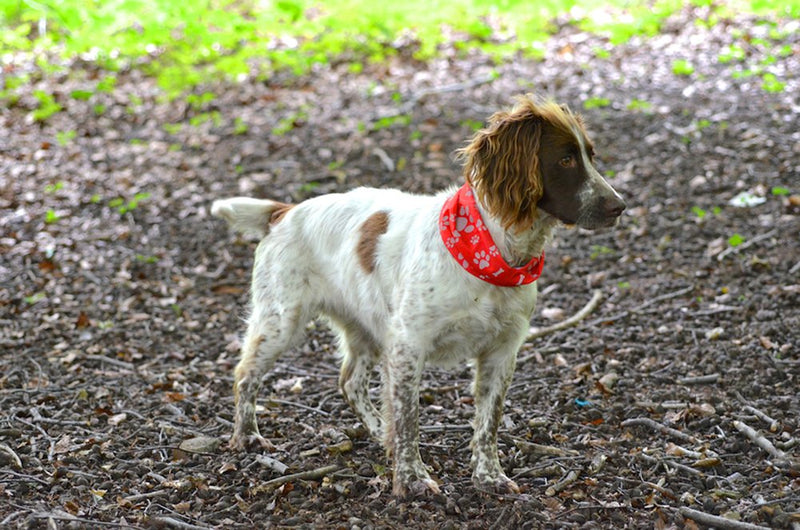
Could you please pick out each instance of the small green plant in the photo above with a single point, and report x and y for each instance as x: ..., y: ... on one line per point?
x: 36, y: 297
x: 106, y: 84
x: 640, y: 105
x: 600, y: 250
x: 81, y: 95
x: 65, y: 137
x: 47, y: 106
x: 239, y: 126
x: 123, y: 206
x: 699, y: 212
x: 770, y: 83
x: 51, y: 217
x: 780, y: 191
x: 52, y: 188
x: 731, y: 53
x: 473, y: 125
x: 624, y: 285
x: 735, y: 240
x: 596, y: 103
x: 309, y: 186
x: 385, y: 123
x: 172, y: 128
x: 682, y: 67
x: 141, y: 258
x: 96, y: 198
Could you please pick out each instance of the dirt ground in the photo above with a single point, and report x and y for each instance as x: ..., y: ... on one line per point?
x: 120, y: 313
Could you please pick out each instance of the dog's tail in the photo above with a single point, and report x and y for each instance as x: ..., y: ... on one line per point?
x: 250, y: 216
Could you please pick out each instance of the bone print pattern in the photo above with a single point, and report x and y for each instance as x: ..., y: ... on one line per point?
x: 466, y: 237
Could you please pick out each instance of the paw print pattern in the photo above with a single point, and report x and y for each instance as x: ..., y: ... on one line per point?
x: 468, y: 240
x: 481, y: 259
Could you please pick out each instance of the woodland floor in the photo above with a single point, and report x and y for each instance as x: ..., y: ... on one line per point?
x: 120, y: 321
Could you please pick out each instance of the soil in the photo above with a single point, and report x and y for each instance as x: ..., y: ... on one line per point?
x: 120, y: 314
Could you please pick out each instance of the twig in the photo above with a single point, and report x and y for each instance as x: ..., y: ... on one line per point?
x: 72, y: 518
x: 657, y: 299
x: 698, y: 380
x: 747, y: 244
x: 647, y: 422
x: 299, y: 405
x: 303, y: 475
x: 773, y: 423
x: 176, y: 523
x: 562, y: 484
x: 113, y: 362
x: 758, y: 439
x: 718, y: 522
x: 142, y: 496
x: 535, y: 333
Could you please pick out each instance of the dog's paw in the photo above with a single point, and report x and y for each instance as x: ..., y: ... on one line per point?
x: 415, y: 488
x: 498, y: 483
x: 414, y: 483
x: 250, y: 442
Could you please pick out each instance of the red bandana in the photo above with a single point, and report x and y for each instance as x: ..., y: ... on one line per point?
x: 471, y: 244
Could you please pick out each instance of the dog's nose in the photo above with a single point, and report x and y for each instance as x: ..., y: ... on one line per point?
x: 615, y: 207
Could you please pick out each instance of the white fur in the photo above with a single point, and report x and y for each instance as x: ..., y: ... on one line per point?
x: 418, y: 305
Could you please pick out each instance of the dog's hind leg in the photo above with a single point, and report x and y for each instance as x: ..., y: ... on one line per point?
x: 270, y: 332
x: 359, y: 355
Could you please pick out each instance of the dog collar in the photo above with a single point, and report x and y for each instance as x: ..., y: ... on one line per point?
x: 468, y: 240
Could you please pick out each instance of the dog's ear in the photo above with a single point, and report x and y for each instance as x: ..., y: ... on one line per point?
x: 501, y: 164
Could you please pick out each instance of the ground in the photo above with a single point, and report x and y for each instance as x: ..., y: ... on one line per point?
x: 120, y: 313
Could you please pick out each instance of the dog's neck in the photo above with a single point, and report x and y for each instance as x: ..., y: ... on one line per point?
x: 518, y: 248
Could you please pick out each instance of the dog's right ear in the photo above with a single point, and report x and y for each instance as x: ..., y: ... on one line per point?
x: 501, y: 164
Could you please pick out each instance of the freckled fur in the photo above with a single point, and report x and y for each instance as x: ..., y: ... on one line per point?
x: 373, y: 263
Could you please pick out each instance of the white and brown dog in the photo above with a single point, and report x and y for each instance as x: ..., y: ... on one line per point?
x: 408, y: 279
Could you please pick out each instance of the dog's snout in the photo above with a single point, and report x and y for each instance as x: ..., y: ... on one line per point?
x: 615, y: 207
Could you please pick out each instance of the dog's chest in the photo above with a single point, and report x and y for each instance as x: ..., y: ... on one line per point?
x: 481, y: 325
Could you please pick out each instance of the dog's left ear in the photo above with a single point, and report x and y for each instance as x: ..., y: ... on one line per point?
x: 502, y: 166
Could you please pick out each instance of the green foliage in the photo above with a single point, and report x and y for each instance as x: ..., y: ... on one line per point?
x: 51, y: 217
x: 65, y: 137
x: 186, y: 43
x: 47, y: 106
x: 122, y: 206
x: 735, y: 240
x: 682, y: 67
x: 780, y: 191
x: 596, y: 103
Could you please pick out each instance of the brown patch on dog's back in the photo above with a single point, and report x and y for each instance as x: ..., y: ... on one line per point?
x: 281, y: 209
x: 375, y: 225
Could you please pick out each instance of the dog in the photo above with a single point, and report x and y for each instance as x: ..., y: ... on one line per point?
x: 410, y: 279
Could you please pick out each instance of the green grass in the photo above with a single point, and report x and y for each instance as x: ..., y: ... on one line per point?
x: 184, y: 44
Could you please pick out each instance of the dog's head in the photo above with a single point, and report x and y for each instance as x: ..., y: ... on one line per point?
x: 538, y: 156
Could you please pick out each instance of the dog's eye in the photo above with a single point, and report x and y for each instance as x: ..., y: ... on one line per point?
x: 567, y: 161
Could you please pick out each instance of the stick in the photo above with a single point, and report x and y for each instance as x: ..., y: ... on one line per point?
x: 647, y: 422
x: 303, y: 475
x: 718, y: 522
x: 747, y: 244
x: 562, y: 484
x: 773, y: 423
x: 758, y: 439
x: 176, y: 523
x: 535, y: 333
x: 660, y: 298
x: 698, y: 380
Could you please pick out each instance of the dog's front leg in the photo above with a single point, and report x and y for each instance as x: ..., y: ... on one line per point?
x: 493, y: 374
x: 402, y: 369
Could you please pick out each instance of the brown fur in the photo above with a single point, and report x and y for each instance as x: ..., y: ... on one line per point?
x: 281, y: 209
x: 502, y: 165
x: 366, y: 250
